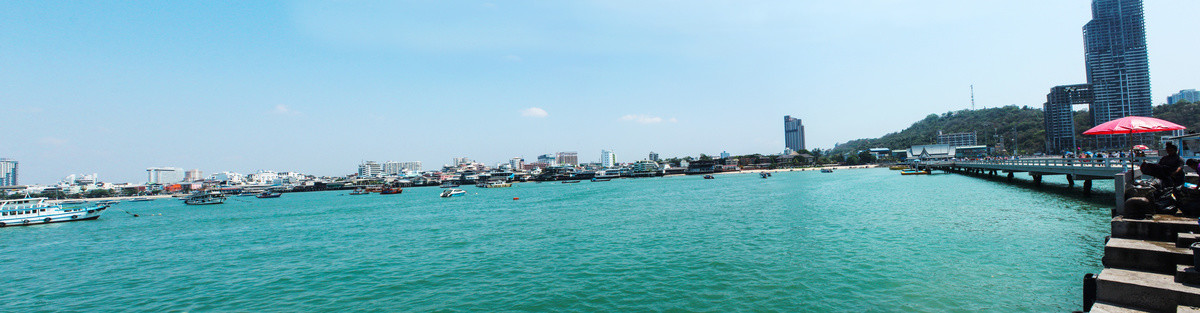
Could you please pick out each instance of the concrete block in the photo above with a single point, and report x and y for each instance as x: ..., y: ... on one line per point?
x: 1185, y: 240
x: 1153, y: 256
x: 1112, y: 308
x: 1187, y: 309
x: 1157, y: 227
x: 1187, y: 274
x: 1144, y: 290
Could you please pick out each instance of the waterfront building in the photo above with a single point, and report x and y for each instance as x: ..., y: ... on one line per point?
x: 1060, y: 116
x: 8, y: 172
x: 229, y: 178
x: 547, y: 159
x: 400, y: 168
x: 653, y: 156
x: 367, y: 169
x: 645, y: 166
x: 1189, y: 95
x: 793, y: 133
x: 1118, y: 68
x: 567, y: 158
x: 164, y: 175
x: 268, y: 177
x: 607, y: 159
x: 516, y: 164
x: 462, y: 161
x: 724, y: 155
x: 957, y: 139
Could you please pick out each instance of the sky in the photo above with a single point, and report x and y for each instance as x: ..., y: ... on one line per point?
x: 114, y: 87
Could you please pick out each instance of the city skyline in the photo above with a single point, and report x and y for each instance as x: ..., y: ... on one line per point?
x: 114, y: 88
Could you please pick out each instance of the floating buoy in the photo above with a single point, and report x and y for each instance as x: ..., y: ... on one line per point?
x: 516, y: 198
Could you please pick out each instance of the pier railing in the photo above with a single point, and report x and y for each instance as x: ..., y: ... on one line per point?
x: 1080, y: 167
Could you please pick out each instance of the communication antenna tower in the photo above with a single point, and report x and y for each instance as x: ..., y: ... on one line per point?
x: 972, y: 97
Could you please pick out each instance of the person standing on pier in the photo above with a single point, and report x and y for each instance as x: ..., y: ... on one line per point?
x: 1168, y: 167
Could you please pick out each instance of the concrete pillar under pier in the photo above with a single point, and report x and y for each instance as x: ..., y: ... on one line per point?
x: 1010, y: 176
x: 1087, y: 186
x: 1037, y: 179
x: 1071, y: 180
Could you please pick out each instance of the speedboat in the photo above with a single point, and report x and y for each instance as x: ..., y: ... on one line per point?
x: 764, y: 174
x: 31, y: 211
x: 452, y: 192
x: 205, y: 198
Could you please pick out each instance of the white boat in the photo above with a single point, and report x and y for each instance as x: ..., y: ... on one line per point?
x: 205, y: 198
x: 108, y: 202
x: 498, y: 184
x: 73, y: 202
x: 452, y: 193
x: 141, y: 199
x: 37, y: 211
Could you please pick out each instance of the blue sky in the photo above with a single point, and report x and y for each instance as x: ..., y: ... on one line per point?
x: 318, y: 86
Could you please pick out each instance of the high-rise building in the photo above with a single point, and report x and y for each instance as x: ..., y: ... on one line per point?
x: 547, y: 159
x: 1189, y: 95
x: 608, y: 158
x: 369, y: 169
x: 724, y: 155
x: 8, y: 172
x: 793, y: 133
x: 400, y: 168
x: 653, y: 156
x: 568, y: 158
x: 517, y: 163
x: 164, y: 175
x: 1060, y: 117
x: 193, y: 175
x: 1118, y: 68
x: 462, y: 161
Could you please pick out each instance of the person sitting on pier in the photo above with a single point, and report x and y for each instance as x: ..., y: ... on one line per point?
x: 1168, y: 169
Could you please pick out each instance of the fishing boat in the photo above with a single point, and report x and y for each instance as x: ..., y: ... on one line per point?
x: 708, y: 177
x: 571, y: 181
x: 31, y: 211
x: 205, y: 198
x: 359, y: 191
x: 452, y: 192
x: 600, y: 179
x: 914, y: 172
x: 827, y: 170
x: 141, y: 199
x: 269, y: 194
x: 391, y: 191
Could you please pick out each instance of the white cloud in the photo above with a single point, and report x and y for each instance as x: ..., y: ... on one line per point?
x: 534, y: 112
x: 645, y: 119
x: 284, y: 110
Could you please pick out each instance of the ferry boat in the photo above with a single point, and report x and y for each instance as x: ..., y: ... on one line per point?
x: 498, y: 184
x: 31, y: 211
x: 391, y: 191
x: 205, y: 198
x: 453, y: 192
x: 269, y: 194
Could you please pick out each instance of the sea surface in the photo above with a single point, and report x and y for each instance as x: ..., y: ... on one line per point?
x: 865, y: 240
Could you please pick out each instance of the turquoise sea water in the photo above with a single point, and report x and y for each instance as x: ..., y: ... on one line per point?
x: 851, y: 241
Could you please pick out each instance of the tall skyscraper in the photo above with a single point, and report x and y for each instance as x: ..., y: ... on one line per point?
x: 1060, y: 118
x: 369, y: 169
x: 164, y: 175
x: 8, y: 172
x: 793, y: 133
x: 1118, y: 68
x: 653, y: 156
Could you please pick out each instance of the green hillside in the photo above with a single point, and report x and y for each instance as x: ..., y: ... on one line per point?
x: 1003, y: 125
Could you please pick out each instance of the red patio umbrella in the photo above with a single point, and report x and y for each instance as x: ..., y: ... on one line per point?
x: 1141, y: 147
x: 1130, y: 125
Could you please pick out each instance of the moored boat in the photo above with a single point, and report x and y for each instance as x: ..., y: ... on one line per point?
x: 205, y: 198
x: 452, y: 192
x: 108, y: 202
x: 498, y: 184
x: 708, y: 177
x: 31, y: 211
x: 141, y: 199
x: 391, y: 191
x: 359, y: 191
x: 827, y: 170
x: 449, y: 184
x: 571, y: 181
x: 600, y: 179
x: 914, y: 172
x: 76, y: 201
x: 269, y: 194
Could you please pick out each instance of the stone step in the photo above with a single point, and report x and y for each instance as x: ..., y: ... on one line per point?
x: 1187, y: 309
x: 1187, y: 274
x: 1185, y: 240
x: 1144, y: 290
x: 1157, y: 228
x: 1100, y: 307
x: 1152, y: 256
